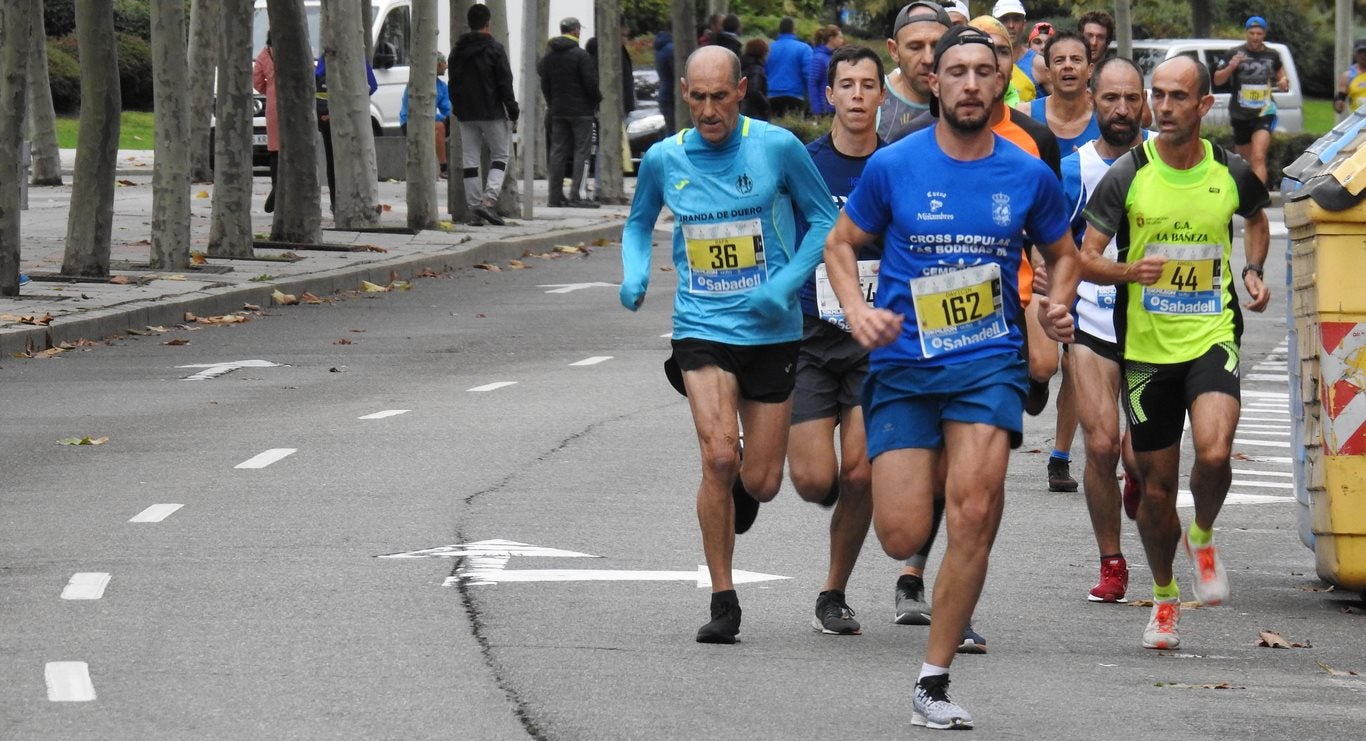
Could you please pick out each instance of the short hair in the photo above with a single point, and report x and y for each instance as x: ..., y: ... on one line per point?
x: 1059, y: 37
x: 757, y: 48
x: 479, y: 16
x: 786, y: 25
x: 1101, y: 18
x: 853, y: 54
x: 1106, y: 62
x: 1202, y: 78
x: 731, y: 24
x: 569, y: 25
x: 734, y: 61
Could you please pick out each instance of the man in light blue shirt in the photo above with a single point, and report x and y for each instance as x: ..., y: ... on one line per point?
x: 443, y: 112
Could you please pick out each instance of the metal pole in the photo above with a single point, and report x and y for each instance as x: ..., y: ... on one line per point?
x: 531, y: 86
x: 1124, y: 29
x: 1342, y: 43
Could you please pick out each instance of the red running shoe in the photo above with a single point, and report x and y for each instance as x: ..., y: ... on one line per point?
x: 1133, y: 494
x: 1114, y: 581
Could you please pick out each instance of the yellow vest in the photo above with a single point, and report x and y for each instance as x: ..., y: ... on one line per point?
x: 1356, y: 87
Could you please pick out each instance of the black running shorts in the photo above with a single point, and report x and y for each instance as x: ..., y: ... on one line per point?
x: 1156, y: 397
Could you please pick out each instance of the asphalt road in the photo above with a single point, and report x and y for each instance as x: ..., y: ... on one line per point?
x: 261, y: 606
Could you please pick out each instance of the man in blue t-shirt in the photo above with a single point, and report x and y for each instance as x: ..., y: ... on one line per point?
x: 947, y: 380
x: 732, y: 185
x: 788, y: 58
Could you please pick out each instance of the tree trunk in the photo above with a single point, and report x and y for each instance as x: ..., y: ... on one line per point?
x: 421, y: 171
x: 230, y: 231
x: 47, y: 159
x: 1202, y: 18
x: 685, y: 43
x: 171, y: 168
x: 349, y: 112
x: 15, y: 36
x: 89, y: 224
x: 367, y: 24
x: 204, y: 38
x: 298, y: 214
x: 529, y: 122
x: 510, y: 197
x: 612, y: 112
x: 540, y: 132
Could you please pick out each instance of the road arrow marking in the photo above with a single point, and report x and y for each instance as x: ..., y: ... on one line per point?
x: 571, y: 287
x: 213, y: 370
x: 486, y: 563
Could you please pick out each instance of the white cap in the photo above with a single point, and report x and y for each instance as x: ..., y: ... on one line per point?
x: 1006, y: 7
x: 958, y: 6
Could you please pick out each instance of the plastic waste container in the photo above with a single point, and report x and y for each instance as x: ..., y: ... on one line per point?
x: 1325, y: 213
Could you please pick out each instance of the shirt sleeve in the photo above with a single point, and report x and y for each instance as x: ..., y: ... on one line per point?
x: 636, y: 236
x: 812, y: 199
x: 867, y: 205
x: 1074, y: 194
x: 1048, y: 220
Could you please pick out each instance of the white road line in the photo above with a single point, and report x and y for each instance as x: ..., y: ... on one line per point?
x: 1264, y: 484
x: 1242, y: 426
x: 667, y: 335
x: 68, y: 681
x: 1184, y: 499
x: 1282, y: 395
x: 1271, y: 365
x: 1263, y: 443
x: 492, y: 386
x: 385, y: 413
x: 1264, y: 419
x: 1283, y: 378
x: 592, y: 361
x: 1268, y: 433
x: 261, y: 460
x: 1265, y: 459
x: 1250, y: 472
x: 156, y: 513
x: 86, y: 585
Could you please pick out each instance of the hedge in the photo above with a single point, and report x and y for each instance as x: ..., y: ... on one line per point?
x: 135, y: 73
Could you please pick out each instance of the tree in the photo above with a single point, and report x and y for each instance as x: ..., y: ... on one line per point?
x: 47, y: 159
x: 1202, y: 18
x: 421, y: 183
x: 14, y: 41
x: 607, y: 16
x: 205, y: 20
x: 230, y: 230
x: 348, y: 103
x: 298, y: 215
x: 685, y: 42
x: 90, y: 222
x: 171, y: 168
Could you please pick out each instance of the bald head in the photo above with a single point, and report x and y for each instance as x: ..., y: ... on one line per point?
x: 1186, y: 70
x: 711, y: 59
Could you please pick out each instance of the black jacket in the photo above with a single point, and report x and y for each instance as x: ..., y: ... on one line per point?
x: 569, y: 78
x: 481, y: 80
x: 755, y: 104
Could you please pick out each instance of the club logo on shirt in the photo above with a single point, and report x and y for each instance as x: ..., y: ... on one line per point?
x: 743, y: 184
x: 1000, y: 209
x: 936, y: 201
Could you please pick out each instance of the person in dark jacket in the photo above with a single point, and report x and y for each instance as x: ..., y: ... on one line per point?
x: 483, y: 103
x: 730, y: 34
x: 825, y: 42
x: 569, y: 80
x: 628, y: 76
x: 668, y: 82
x: 755, y: 104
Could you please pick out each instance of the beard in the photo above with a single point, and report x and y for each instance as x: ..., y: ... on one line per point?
x: 1119, y: 136
x: 966, y: 124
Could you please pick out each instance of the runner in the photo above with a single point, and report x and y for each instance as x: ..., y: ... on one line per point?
x: 731, y: 184
x: 1254, y: 71
x: 1171, y: 203
x: 916, y: 29
x: 831, y: 365
x: 946, y: 384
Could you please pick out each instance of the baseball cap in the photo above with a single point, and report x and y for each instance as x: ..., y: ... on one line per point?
x: 1006, y: 7
x: 1041, y: 28
x: 1359, y: 45
x: 920, y: 10
x: 957, y: 36
x: 1255, y: 20
x: 957, y: 6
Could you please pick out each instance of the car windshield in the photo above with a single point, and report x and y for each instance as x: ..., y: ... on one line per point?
x: 260, y: 25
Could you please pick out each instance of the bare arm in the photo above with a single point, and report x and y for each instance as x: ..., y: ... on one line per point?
x: 870, y: 327
x: 1064, y: 270
x: 1221, y: 75
x: 1097, y: 268
x: 1256, y: 246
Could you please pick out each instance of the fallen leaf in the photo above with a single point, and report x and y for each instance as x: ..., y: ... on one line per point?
x: 601, y: 242
x: 202, y: 194
x: 1271, y: 639
x: 87, y: 440
x: 358, y: 331
x: 426, y: 273
x: 51, y: 352
x: 1354, y: 609
x: 137, y: 332
x: 283, y: 299
x: 144, y: 242
x: 198, y: 258
x: 250, y: 307
x: 446, y: 226
x: 568, y: 250
x: 1337, y: 672
x: 489, y: 267
x: 1240, y: 457
x: 481, y: 316
x: 121, y: 280
x: 37, y: 321
x: 385, y: 207
x: 176, y: 342
x: 401, y: 285
x: 309, y: 298
x: 342, y: 341
x: 666, y: 269
x: 1314, y: 588
x: 373, y: 248
x: 369, y: 287
x: 170, y: 277
x: 516, y: 265
x: 9, y: 317
x: 224, y: 319
x: 124, y: 183
x: 1188, y: 605
x: 190, y: 317
x: 1184, y: 686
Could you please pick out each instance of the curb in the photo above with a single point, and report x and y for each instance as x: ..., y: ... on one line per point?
x: 118, y: 319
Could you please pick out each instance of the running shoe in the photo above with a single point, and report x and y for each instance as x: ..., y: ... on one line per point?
x: 746, y: 506
x: 1114, y: 581
x: 973, y: 642
x: 725, y: 620
x: 932, y: 708
x: 24, y: 279
x: 1161, y: 630
x: 489, y: 212
x: 911, y: 607
x: 1037, y: 399
x: 834, y: 617
x: 1211, y: 583
x: 1060, y: 475
x: 1133, y: 494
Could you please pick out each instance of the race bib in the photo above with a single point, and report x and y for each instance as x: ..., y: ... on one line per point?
x: 828, y: 305
x: 1191, y: 283
x: 1105, y: 297
x: 957, y: 310
x: 1254, y: 96
x: 726, y: 257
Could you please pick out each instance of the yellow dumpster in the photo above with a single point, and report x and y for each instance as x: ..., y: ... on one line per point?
x: 1325, y: 213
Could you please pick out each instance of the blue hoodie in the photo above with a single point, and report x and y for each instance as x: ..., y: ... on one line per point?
x: 788, y: 59
x: 817, y: 75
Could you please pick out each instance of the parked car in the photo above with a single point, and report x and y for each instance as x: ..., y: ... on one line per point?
x: 1289, y: 105
x: 644, y: 125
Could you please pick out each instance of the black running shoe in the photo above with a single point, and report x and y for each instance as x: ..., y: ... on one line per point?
x: 911, y: 607
x: 834, y: 617
x: 725, y: 619
x: 746, y: 506
x: 1037, y: 399
x: 489, y: 214
x: 1060, y: 475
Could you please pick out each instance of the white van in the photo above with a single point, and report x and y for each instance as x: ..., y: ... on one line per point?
x: 1289, y: 105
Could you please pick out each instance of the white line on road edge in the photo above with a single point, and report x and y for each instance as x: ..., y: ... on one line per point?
x: 1263, y: 443
x: 1266, y: 377
x: 1184, y: 499
x: 86, y: 585
x: 492, y: 386
x: 385, y: 413
x: 1250, y: 472
x: 1269, y: 433
x: 593, y: 360
x: 156, y: 513
x: 1266, y: 459
x: 1264, y: 484
x: 261, y: 460
x: 68, y: 681
x: 1283, y: 395
x: 1242, y: 426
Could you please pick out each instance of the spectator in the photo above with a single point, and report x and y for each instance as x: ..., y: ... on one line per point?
x: 788, y: 58
x: 628, y: 77
x: 755, y: 104
x: 1352, y: 85
x: 1098, y: 28
x: 484, y: 104
x: 668, y: 82
x: 325, y: 120
x: 729, y: 37
x: 1011, y: 14
x: 826, y: 40
x: 443, y: 113
x: 263, y: 79
x: 569, y: 81
x: 708, y: 35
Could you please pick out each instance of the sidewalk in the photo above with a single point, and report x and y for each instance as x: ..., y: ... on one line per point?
x: 138, y: 297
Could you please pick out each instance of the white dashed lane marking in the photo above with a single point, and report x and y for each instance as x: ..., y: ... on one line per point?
x: 385, y: 413
x: 68, y: 681
x: 86, y: 585
x: 156, y: 513
x: 493, y: 386
x: 261, y: 460
x: 592, y: 361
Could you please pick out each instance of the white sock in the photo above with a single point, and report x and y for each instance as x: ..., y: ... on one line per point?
x: 930, y: 670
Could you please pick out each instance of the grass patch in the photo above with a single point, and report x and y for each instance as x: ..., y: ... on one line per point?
x: 135, y: 131
x: 1319, y: 117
